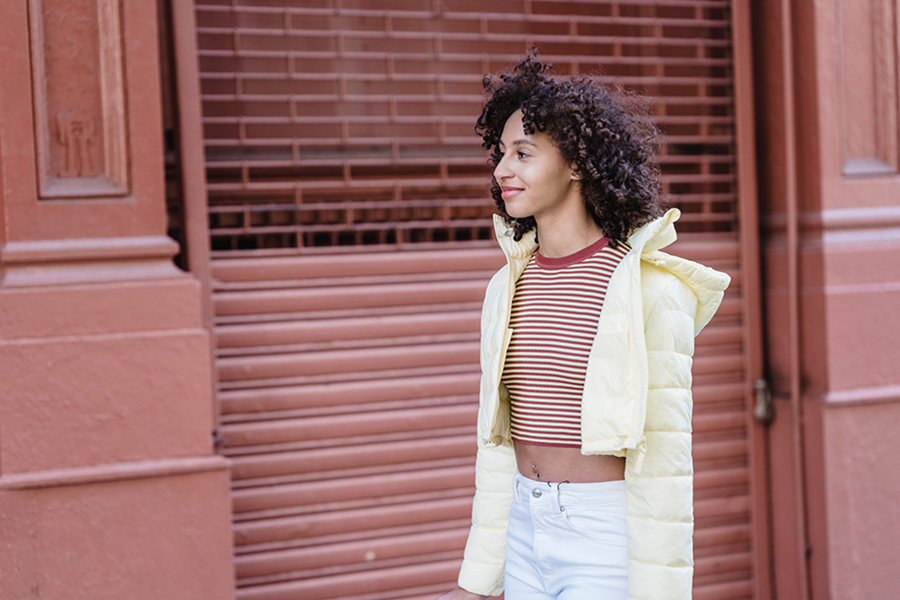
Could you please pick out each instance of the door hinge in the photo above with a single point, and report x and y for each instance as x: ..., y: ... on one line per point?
x: 764, y: 411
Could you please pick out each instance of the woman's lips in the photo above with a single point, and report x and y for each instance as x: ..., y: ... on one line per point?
x: 508, y: 193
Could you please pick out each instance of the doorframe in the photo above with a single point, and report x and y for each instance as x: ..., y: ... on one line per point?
x: 194, y: 193
x: 192, y: 159
x: 751, y: 293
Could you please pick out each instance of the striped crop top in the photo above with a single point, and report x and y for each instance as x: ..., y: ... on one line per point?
x: 554, y: 317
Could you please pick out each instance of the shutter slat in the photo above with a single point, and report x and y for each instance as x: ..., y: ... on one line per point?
x: 285, y: 301
x: 354, y: 393
x: 244, y: 337
x: 359, y: 266
x: 346, y: 462
x: 347, y: 425
x: 361, y: 520
x: 292, y: 365
x: 348, y: 553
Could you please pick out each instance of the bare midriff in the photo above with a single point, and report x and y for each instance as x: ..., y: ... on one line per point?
x: 554, y: 464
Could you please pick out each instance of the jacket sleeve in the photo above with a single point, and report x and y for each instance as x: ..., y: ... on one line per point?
x: 484, y: 559
x: 660, y: 517
x: 485, y: 555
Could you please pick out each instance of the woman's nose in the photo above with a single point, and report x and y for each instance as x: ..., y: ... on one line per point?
x: 501, y: 171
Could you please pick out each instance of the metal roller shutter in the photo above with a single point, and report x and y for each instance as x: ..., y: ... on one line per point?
x: 351, y: 246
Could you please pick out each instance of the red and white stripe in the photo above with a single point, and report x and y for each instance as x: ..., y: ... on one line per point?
x: 554, y: 318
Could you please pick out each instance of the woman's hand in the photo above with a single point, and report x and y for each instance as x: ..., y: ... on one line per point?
x: 461, y: 594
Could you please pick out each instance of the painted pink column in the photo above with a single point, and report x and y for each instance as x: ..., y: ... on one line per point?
x: 827, y: 88
x: 109, y: 485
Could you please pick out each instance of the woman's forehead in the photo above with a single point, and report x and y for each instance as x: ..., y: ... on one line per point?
x: 514, y: 133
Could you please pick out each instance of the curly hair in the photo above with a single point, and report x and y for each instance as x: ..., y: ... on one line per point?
x: 600, y: 130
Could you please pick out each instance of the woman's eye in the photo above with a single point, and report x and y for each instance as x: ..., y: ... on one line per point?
x: 521, y: 154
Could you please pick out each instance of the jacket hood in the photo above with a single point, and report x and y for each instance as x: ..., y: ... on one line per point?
x: 706, y: 283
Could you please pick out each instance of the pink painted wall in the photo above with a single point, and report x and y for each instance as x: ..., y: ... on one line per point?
x: 829, y: 150
x: 109, y: 485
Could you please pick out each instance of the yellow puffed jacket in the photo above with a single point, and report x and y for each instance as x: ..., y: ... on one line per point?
x: 636, y: 403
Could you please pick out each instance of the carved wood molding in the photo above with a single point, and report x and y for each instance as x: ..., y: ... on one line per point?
x: 869, y: 93
x: 839, y: 219
x: 859, y: 396
x: 78, y: 77
x: 90, y: 260
x: 74, y: 250
x: 165, y: 467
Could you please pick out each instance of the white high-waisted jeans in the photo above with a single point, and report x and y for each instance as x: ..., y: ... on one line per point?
x: 567, y: 541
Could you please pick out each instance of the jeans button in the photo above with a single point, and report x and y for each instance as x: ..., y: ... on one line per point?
x: 536, y: 493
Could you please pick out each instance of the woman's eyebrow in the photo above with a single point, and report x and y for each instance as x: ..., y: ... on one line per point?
x: 521, y: 142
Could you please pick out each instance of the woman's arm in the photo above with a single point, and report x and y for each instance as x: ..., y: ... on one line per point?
x: 484, y: 559
x: 660, y: 499
x: 485, y: 555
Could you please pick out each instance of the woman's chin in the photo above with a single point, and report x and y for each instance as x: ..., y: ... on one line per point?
x: 517, y: 214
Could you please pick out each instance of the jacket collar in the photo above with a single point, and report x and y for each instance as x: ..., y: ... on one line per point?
x: 648, y: 238
x: 521, y: 250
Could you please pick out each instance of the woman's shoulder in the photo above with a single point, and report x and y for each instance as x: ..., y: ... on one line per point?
x: 656, y: 279
x: 661, y: 287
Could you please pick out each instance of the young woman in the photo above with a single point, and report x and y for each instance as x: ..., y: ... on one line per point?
x: 584, y: 478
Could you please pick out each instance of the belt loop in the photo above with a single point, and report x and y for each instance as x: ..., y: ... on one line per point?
x: 560, y: 506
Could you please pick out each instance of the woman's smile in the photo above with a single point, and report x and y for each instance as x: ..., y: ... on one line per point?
x: 509, y: 192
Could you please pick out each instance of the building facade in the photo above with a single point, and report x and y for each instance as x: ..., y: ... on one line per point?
x: 244, y: 246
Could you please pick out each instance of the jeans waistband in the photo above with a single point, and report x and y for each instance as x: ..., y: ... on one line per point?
x: 599, y: 493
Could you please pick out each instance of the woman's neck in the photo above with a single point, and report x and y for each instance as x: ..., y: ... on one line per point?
x: 567, y: 234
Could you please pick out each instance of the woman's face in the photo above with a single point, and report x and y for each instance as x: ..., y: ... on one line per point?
x: 534, y: 177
